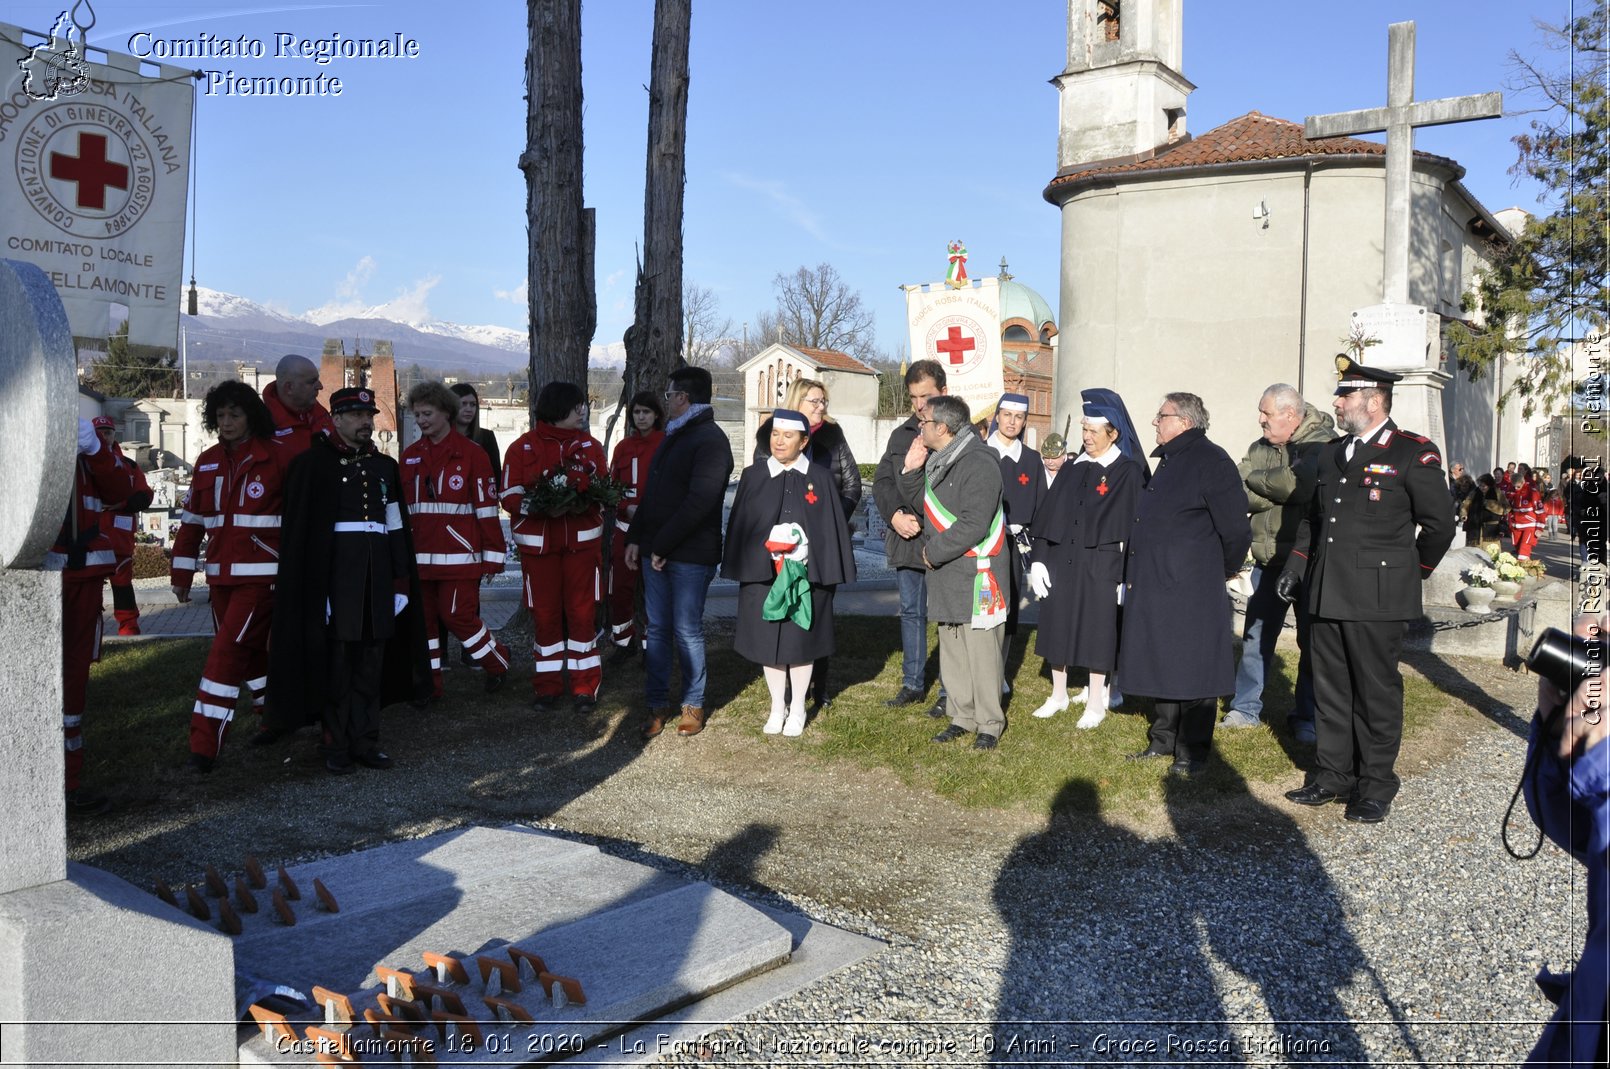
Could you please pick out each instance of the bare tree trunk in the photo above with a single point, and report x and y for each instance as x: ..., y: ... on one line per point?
x: 654, y: 340
x: 563, y: 307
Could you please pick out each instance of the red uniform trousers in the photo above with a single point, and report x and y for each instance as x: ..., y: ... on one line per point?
x: 242, y: 616
x: 1525, y: 541
x: 623, y: 587
x: 81, y: 647
x: 561, y: 593
x: 125, y: 610
x: 457, y: 602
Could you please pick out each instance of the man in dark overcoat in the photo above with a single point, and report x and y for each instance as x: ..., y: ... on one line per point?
x: 349, y: 633
x: 1378, y: 525
x: 1191, y: 536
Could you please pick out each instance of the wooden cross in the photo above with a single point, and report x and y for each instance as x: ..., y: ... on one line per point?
x: 1399, y: 118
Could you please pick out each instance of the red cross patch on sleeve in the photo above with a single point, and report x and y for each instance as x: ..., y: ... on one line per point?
x: 1431, y: 458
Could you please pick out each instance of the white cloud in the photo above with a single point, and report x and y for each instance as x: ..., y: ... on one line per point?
x: 614, y: 277
x: 408, y: 306
x: 785, y: 202
x: 520, y: 295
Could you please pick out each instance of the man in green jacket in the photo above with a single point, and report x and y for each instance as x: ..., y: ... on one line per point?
x: 1279, y: 472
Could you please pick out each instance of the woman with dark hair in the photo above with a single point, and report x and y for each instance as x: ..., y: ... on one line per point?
x: 826, y: 446
x: 467, y: 421
x: 559, y: 548
x: 1492, y: 508
x: 234, y: 501
x: 629, y: 466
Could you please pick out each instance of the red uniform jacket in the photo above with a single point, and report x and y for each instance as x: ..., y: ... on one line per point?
x: 120, y: 514
x: 542, y: 452
x: 1526, y: 507
x: 235, y: 499
x: 84, y: 546
x: 630, y: 466
x: 453, y: 508
x: 295, y: 430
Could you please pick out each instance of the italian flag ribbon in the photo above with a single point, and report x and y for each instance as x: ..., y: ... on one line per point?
x: 989, y: 605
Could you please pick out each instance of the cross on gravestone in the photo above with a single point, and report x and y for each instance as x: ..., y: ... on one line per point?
x: 1399, y: 118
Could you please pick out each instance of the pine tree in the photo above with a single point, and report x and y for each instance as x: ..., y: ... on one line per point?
x: 134, y: 371
x: 1545, y: 292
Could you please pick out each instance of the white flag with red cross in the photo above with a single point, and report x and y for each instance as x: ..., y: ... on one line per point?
x: 94, y: 175
x: 961, y: 329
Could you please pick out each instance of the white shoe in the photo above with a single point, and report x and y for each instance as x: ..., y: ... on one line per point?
x: 1078, y: 697
x: 795, y: 727
x: 774, y: 722
x: 1051, y: 708
x: 1091, y: 718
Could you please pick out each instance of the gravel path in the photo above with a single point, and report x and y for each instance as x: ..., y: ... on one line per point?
x: 1208, y: 931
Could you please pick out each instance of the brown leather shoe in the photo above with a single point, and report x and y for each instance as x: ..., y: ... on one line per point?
x: 656, y: 722
x: 692, y: 721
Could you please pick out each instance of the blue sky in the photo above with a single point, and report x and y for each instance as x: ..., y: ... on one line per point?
x: 862, y: 134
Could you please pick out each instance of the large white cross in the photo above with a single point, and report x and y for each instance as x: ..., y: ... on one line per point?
x: 1399, y: 118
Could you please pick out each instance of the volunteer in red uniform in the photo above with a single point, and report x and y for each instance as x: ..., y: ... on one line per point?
x: 234, y: 502
x: 630, y: 467
x: 83, y: 554
x: 559, y: 551
x: 121, y: 514
x: 448, y: 486
x: 1526, y: 512
x: 293, y: 403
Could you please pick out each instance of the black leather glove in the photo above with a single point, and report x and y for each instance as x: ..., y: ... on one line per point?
x: 1286, y: 587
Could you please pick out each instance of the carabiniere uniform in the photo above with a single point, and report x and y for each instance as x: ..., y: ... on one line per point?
x: 369, y: 553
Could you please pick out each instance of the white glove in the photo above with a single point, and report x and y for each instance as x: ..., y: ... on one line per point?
x: 1039, y: 580
x: 89, y: 443
x: 399, y: 602
x: 1015, y: 528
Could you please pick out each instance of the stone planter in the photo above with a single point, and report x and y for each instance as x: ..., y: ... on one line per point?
x: 1506, y: 588
x: 1477, y: 599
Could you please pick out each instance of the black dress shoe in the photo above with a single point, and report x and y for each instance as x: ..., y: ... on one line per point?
x: 950, y: 734
x: 985, y: 741
x: 1148, y: 752
x: 83, y: 802
x: 1313, y: 794
x: 1367, y: 811
x: 373, y: 759
x: 544, y: 704
x: 585, y: 706
x: 340, y: 766
x: 1187, y: 769
x: 938, y: 711
x: 904, y: 696
x: 494, y: 683
x: 265, y: 737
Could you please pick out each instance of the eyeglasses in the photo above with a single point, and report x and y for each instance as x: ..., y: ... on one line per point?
x: 1161, y: 416
x: 925, y: 422
x: 669, y: 394
x: 816, y: 402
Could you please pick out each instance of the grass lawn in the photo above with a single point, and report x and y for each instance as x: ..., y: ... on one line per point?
x: 141, y: 693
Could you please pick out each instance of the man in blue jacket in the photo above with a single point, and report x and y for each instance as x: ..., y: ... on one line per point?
x: 677, y: 529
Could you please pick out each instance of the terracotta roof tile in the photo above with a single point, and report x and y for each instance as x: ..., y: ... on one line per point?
x: 832, y: 358
x: 1253, y: 136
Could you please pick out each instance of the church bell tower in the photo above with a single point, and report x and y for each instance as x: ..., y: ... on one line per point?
x: 1122, y: 94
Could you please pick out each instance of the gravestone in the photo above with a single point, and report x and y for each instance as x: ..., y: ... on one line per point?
x: 78, y: 947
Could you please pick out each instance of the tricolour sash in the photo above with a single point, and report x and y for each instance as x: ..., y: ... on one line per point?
x: 989, y: 606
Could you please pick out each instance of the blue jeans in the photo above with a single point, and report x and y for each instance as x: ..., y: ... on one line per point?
x: 673, y: 600
x: 1266, y: 615
x: 913, y: 626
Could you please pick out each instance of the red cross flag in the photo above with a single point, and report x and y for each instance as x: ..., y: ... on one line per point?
x: 94, y: 174
x: 961, y: 329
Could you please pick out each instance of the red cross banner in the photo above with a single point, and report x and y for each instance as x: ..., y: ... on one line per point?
x: 94, y: 175
x: 961, y: 329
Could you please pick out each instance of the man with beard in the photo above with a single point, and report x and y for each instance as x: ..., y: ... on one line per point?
x: 349, y: 636
x: 1358, y: 562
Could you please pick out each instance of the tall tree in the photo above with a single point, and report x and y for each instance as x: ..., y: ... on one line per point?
x: 705, y: 333
x: 1546, y: 290
x: 654, y: 340
x: 133, y: 371
x: 816, y: 308
x: 559, y: 229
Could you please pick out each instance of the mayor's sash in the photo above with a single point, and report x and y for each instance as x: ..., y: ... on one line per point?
x: 989, y: 606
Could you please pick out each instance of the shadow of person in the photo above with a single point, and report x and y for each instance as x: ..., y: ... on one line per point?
x: 1453, y: 682
x: 1263, y: 907
x: 1101, y: 942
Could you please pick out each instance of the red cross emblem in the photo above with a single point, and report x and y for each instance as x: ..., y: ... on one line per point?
x: 1101, y: 487
x: 1023, y: 479
x: 955, y: 345
x: 810, y: 496
x: 91, y: 170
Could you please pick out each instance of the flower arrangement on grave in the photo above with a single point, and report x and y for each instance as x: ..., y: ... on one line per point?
x: 1481, y: 575
x: 1510, y: 568
x: 572, y: 487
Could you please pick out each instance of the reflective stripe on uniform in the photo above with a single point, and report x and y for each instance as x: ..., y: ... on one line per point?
x: 443, y: 508
x: 361, y: 526
x: 265, y: 520
x: 449, y: 558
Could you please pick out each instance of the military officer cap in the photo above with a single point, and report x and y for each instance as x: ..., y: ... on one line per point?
x: 1352, y: 375
x: 353, y: 399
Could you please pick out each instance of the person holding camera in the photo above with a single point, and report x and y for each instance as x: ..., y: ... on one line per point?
x: 1567, y: 788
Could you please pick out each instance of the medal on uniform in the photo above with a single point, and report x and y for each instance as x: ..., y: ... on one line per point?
x: 810, y: 493
x: 1101, y: 487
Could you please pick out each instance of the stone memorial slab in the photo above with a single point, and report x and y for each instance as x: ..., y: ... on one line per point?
x: 620, y: 942
x: 1404, y: 333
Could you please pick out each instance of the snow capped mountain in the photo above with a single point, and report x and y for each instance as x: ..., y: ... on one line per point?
x: 215, y: 304
x: 515, y: 341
